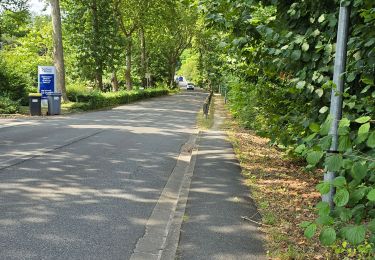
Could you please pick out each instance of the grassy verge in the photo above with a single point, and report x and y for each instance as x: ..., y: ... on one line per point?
x: 284, y: 192
x: 204, y: 123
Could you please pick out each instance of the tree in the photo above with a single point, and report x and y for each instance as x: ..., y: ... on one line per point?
x: 93, y: 41
x: 129, y: 15
x: 58, y: 49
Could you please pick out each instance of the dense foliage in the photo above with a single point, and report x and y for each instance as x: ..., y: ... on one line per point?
x: 108, y: 45
x: 276, y: 58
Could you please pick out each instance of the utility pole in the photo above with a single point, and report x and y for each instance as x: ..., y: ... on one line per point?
x: 336, y: 95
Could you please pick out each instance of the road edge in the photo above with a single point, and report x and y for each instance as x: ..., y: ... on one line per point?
x: 162, y: 231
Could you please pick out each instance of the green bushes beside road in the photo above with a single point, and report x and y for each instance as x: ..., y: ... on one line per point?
x: 96, y: 100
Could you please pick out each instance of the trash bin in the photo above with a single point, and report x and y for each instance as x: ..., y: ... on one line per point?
x: 54, y: 103
x: 35, y: 104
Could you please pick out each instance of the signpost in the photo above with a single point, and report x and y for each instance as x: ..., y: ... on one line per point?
x: 46, y: 81
x: 148, y: 78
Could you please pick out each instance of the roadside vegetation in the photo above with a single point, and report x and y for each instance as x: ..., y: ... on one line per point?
x: 276, y: 60
x: 112, y: 50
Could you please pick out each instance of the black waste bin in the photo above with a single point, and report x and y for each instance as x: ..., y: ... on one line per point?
x: 54, y: 103
x: 35, y: 104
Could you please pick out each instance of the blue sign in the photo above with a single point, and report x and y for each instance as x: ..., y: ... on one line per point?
x: 46, y: 80
x: 180, y: 79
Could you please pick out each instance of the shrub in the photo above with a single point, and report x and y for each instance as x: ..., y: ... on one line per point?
x: 12, y: 85
x: 96, y: 100
x: 8, y: 106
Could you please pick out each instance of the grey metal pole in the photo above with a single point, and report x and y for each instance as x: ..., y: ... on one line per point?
x: 336, y: 95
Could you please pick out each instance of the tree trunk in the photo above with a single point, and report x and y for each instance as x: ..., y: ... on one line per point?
x: 114, y: 81
x: 128, y: 77
x: 97, y: 61
x: 58, y: 49
x: 172, y: 71
x: 143, y: 57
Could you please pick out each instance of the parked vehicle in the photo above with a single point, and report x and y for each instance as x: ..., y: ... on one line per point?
x: 190, y: 86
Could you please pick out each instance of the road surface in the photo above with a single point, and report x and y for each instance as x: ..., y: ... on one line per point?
x: 92, y: 185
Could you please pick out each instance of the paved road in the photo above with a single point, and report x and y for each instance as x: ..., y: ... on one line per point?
x: 84, y: 186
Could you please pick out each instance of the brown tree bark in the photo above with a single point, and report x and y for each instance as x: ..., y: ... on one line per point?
x: 114, y: 81
x: 98, y: 64
x: 143, y: 56
x: 128, y: 78
x: 58, y: 49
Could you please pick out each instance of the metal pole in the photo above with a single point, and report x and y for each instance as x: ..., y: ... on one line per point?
x: 336, y: 95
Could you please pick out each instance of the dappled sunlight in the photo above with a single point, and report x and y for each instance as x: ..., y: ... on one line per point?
x: 278, y: 184
x: 75, y: 181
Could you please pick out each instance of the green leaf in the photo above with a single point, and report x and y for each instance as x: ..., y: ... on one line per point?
x: 321, y: 18
x: 305, y: 224
x: 371, y: 195
x: 296, y: 55
x: 344, y: 126
x: 371, y: 226
x: 359, y: 171
x: 324, y: 220
x: 339, y: 182
x: 325, y: 142
x: 310, y: 137
x: 371, y: 140
x: 323, y: 187
x: 344, y: 143
x: 314, y: 157
x: 363, y: 119
x: 301, y: 84
x: 327, y: 236
x: 357, y: 194
x: 334, y: 162
x: 361, y: 138
x: 364, y: 129
x: 341, y: 197
x: 344, y: 122
x: 319, y: 92
x: 299, y: 149
x: 355, y: 234
x: 323, y: 110
x: 324, y: 129
x: 345, y: 214
x: 305, y: 46
x: 323, y: 208
x: 310, y: 231
x: 314, y: 127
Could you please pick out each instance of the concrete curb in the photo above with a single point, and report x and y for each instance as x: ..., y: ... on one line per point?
x: 161, y: 237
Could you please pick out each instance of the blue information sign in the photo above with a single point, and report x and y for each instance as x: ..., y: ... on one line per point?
x: 46, y: 80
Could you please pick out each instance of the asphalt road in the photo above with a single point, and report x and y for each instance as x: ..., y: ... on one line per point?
x: 84, y: 186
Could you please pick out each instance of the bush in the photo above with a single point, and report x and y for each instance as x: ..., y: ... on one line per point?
x: 96, y: 100
x: 12, y: 85
x: 78, y: 92
x: 8, y: 106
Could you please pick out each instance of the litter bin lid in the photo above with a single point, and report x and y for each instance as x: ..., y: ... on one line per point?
x: 35, y: 95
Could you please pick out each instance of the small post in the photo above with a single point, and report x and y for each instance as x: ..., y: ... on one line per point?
x: 225, y: 95
x: 336, y: 95
x: 205, y: 109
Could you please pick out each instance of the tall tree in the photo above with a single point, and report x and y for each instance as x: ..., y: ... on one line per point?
x: 129, y: 14
x: 58, y: 49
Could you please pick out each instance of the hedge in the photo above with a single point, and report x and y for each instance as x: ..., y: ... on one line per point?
x: 97, y: 100
x: 8, y: 106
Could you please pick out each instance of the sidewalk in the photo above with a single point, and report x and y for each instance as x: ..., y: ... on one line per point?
x: 213, y: 227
